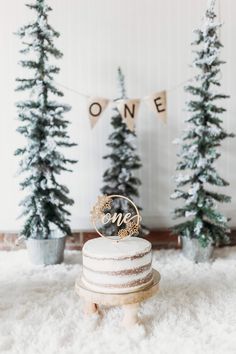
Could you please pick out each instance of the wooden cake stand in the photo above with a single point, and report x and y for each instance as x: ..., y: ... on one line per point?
x: 129, y: 301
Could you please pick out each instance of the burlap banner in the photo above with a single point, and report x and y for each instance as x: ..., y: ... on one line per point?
x: 128, y: 110
x: 96, y: 107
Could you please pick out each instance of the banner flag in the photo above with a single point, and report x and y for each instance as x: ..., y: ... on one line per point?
x: 96, y: 107
x: 158, y: 104
x: 129, y: 110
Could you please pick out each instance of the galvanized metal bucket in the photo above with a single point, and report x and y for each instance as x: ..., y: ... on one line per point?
x: 195, y: 252
x: 46, y: 252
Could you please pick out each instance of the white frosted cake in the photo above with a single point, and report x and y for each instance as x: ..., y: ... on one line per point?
x: 117, y: 267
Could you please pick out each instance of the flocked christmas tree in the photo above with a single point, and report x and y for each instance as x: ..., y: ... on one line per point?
x: 44, y: 129
x: 201, y: 142
x: 119, y: 178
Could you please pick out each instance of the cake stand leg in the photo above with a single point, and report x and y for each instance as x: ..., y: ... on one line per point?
x: 130, y: 315
x: 90, y: 308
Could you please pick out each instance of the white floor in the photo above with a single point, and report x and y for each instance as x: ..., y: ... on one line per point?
x: 195, y: 311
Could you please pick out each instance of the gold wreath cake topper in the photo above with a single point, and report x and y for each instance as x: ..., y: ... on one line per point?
x: 129, y: 223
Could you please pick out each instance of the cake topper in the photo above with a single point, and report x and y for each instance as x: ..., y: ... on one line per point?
x: 127, y: 224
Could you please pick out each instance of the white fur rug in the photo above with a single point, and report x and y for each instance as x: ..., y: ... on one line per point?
x: 195, y: 311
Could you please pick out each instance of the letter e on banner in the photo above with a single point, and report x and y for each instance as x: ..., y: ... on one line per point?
x: 157, y: 103
x: 129, y: 110
x: 96, y: 107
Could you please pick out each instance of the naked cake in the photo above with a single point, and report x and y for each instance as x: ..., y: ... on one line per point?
x: 117, y: 267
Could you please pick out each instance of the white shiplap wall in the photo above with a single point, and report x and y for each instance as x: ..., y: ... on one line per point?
x: 150, y: 40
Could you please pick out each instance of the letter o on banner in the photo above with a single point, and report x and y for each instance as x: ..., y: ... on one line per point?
x: 96, y: 107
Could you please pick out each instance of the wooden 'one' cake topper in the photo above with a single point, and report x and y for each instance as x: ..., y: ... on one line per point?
x: 127, y: 224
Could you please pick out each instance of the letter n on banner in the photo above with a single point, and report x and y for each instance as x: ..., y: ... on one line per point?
x: 96, y: 107
x: 129, y: 110
x: 157, y: 103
